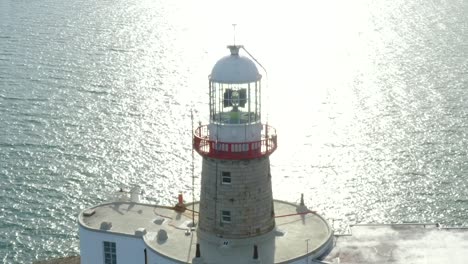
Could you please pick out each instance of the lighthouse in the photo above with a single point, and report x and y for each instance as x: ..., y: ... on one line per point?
x: 237, y: 212
x: 236, y: 194
x: 236, y: 219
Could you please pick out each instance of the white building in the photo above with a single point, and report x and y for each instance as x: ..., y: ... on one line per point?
x: 236, y: 219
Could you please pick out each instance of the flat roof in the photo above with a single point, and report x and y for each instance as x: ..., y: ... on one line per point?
x: 401, y: 243
x: 296, y: 235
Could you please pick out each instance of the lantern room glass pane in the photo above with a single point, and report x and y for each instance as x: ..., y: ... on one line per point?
x: 235, y: 103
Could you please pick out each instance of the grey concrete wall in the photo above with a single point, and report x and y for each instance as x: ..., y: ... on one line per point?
x: 248, y: 197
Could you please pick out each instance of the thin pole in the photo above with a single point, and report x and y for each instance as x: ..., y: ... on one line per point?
x: 234, y: 31
x: 193, y: 171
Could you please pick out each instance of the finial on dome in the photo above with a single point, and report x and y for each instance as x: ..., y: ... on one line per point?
x: 234, y: 49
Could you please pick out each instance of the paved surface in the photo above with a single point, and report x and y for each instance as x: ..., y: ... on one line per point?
x: 401, y: 243
x: 366, y: 244
x: 296, y: 236
x: 67, y: 260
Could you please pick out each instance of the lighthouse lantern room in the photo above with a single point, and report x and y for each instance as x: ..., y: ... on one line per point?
x: 235, y: 130
x: 235, y: 90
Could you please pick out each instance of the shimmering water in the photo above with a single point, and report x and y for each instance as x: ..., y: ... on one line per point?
x: 369, y: 98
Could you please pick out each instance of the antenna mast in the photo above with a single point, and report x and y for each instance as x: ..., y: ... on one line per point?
x: 193, y: 171
x: 234, y: 32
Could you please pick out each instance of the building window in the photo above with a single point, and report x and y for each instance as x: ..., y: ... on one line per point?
x: 110, y: 255
x: 226, y: 216
x: 226, y: 177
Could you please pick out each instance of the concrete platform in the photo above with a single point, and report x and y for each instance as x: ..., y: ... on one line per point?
x: 401, y: 243
x: 64, y: 260
x: 298, y: 235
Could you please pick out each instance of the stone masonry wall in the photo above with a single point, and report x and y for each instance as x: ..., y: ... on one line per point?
x: 248, y: 198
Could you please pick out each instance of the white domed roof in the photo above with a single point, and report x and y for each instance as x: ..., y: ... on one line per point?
x: 235, y: 69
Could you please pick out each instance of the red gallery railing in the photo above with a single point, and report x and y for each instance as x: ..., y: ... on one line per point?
x: 234, y: 150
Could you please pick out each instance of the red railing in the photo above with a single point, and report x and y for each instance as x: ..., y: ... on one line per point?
x: 234, y: 150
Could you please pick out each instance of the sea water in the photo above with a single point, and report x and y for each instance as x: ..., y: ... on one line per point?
x: 369, y: 99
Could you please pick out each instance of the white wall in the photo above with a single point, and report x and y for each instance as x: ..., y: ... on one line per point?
x: 130, y: 250
x: 235, y: 133
x: 154, y: 258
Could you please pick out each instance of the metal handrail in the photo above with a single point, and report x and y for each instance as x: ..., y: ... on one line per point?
x: 234, y: 150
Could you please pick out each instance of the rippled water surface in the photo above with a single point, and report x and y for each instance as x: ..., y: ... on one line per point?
x: 369, y: 98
